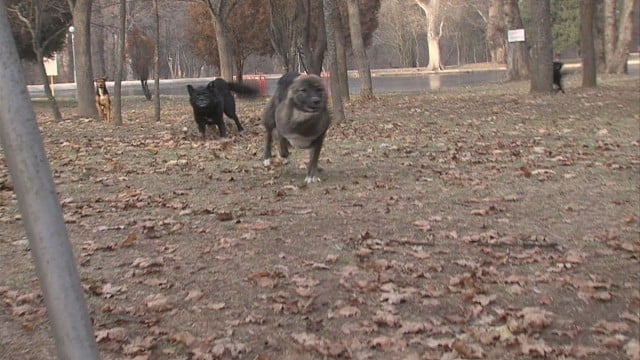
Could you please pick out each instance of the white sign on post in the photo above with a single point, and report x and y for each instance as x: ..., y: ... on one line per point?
x: 51, y: 65
x: 516, y: 35
x: 51, y: 68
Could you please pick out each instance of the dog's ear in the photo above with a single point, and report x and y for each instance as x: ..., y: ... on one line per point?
x: 190, y: 89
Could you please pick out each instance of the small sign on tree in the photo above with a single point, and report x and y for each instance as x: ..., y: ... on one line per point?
x: 516, y: 35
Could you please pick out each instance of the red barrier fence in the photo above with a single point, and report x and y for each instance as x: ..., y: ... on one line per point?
x: 260, y: 81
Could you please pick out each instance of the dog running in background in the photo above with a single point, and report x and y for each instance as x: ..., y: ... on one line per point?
x: 557, y: 76
x: 103, y: 101
x: 211, y: 101
x: 297, y: 115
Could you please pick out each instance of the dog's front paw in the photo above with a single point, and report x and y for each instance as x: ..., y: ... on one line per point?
x: 312, y: 179
x: 266, y: 162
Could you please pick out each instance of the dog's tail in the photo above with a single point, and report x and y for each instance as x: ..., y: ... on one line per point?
x: 242, y: 90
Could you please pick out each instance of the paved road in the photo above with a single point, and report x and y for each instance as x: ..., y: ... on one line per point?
x: 384, y: 81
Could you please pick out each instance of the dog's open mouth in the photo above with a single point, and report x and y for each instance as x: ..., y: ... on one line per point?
x: 311, y: 109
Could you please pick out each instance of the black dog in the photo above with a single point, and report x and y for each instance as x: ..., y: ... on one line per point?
x: 557, y: 76
x: 297, y: 114
x: 211, y: 101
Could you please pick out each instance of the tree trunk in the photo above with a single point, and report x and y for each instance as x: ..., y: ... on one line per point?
x: 316, y: 55
x: 117, y: 91
x: 359, y: 51
x: 225, y: 50
x: 38, y: 45
x: 282, y: 32
x: 98, y: 52
x: 42, y: 218
x: 239, y: 65
x: 433, y: 42
x: 610, y: 32
x: 336, y: 99
x: 407, y: 50
x: 587, y: 43
x: 341, y: 55
x: 517, y: 53
x: 156, y: 59
x: 541, y: 46
x: 618, y: 64
x: 85, y: 90
x: 601, y: 59
x: 495, y: 31
x: 434, y: 31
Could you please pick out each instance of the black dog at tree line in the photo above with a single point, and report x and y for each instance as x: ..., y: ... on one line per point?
x: 557, y: 76
x: 297, y: 114
x: 211, y: 101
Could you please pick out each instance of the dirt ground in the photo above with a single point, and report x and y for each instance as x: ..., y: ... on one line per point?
x: 479, y: 222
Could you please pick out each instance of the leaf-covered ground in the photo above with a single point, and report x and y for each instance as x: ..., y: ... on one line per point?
x: 478, y: 222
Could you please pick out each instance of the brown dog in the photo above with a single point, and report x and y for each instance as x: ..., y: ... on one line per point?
x: 103, y: 101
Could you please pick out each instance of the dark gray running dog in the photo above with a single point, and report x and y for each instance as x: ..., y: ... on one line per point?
x: 211, y: 101
x: 297, y: 115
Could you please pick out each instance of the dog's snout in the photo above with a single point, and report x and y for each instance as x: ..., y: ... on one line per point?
x: 316, y: 100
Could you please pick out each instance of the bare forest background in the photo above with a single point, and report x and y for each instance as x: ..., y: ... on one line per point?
x: 396, y: 35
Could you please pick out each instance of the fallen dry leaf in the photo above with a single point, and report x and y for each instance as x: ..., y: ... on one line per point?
x: 22, y: 310
x: 410, y: 327
x: 467, y: 350
x: 216, y: 306
x: 144, y: 263
x: 118, y: 334
x: 387, y: 343
x: 158, y: 303
x: 423, y: 225
x: 310, y: 342
x: 348, y: 311
x: 610, y: 327
x: 194, y: 295
x: 129, y: 240
x: 386, y: 318
x: 183, y: 337
x: 263, y: 279
x: 484, y: 300
x: 632, y: 349
x: 108, y: 290
x: 534, y: 318
x: 529, y: 346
